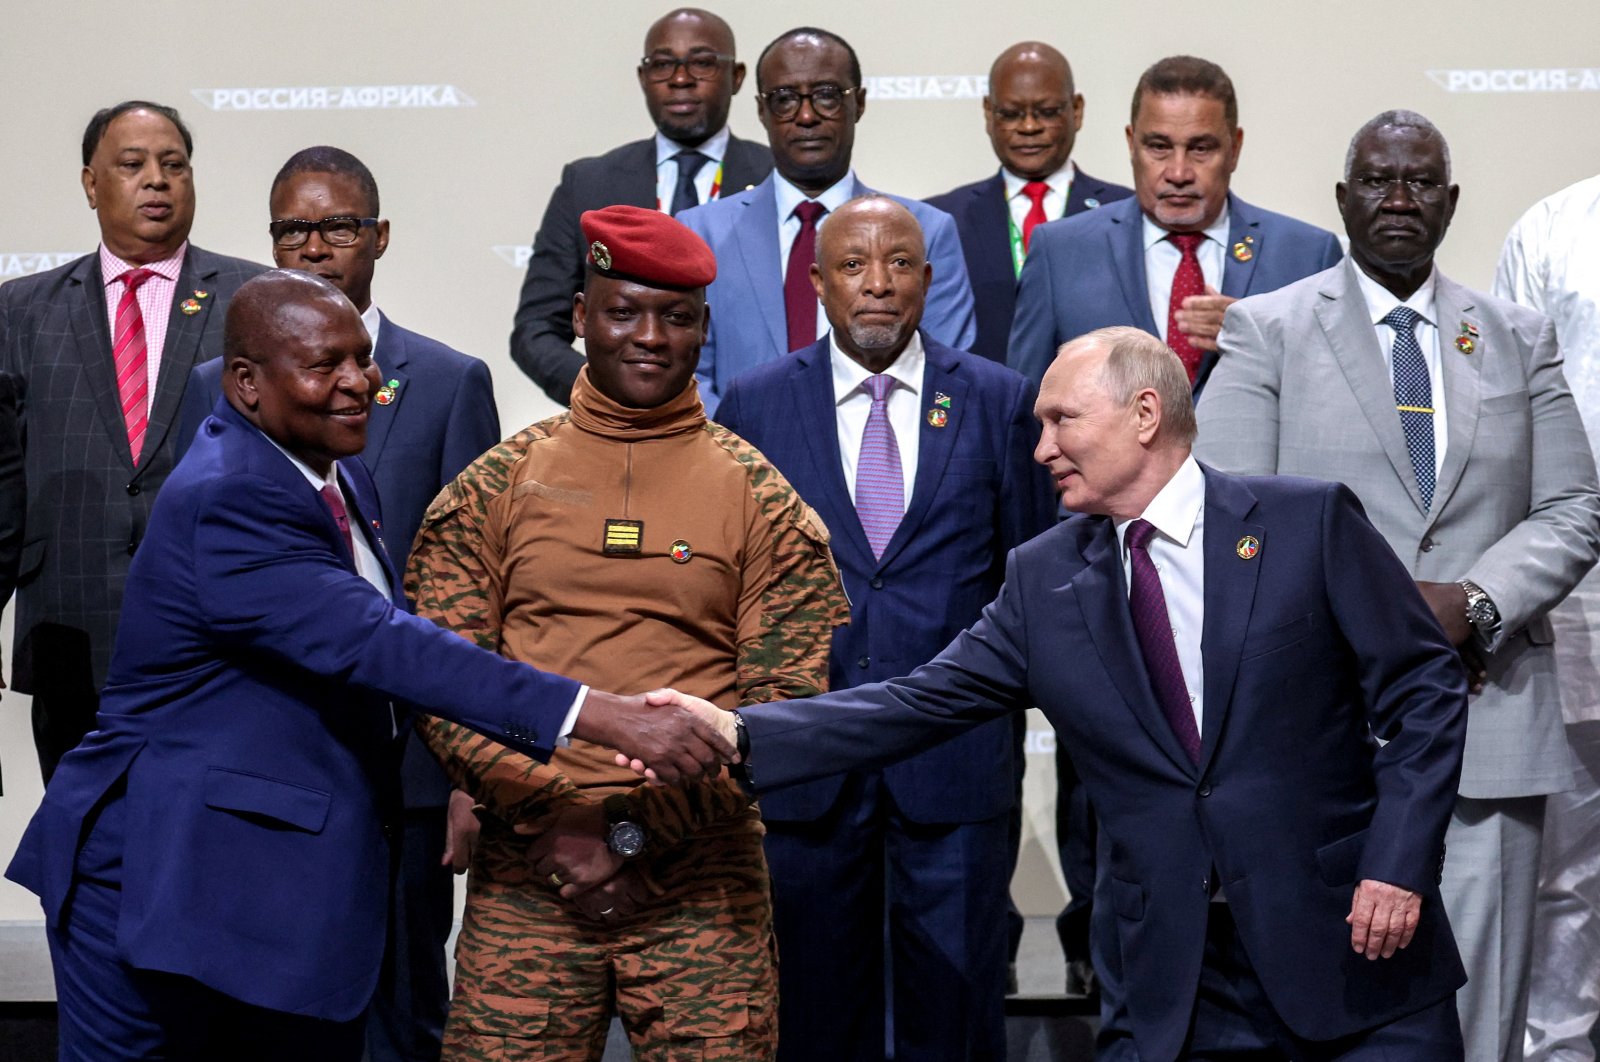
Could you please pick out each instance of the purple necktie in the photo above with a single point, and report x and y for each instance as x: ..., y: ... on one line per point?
x: 1153, y: 627
x: 880, y: 483
x: 335, y: 500
x: 799, y: 297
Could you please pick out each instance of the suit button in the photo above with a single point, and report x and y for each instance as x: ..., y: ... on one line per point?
x: 864, y: 661
x: 1205, y: 789
x: 132, y: 546
x: 1426, y: 545
x: 133, y: 490
x: 877, y: 583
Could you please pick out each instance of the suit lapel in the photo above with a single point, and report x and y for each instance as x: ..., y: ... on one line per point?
x: 1126, y: 240
x: 1230, y: 590
x: 817, y: 424
x: 992, y: 225
x: 1244, y: 230
x: 755, y: 241
x: 1462, y: 388
x: 638, y: 177
x: 391, y: 355
x: 182, y: 344
x: 746, y: 166
x: 362, y: 522
x: 934, y: 445
x: 93, y: 336
x: 1342, y: 313
x: 1101, y: 593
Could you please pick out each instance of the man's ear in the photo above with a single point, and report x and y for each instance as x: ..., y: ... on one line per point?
x: 239, y: 377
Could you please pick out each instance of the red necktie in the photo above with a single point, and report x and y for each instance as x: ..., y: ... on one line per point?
x: 1036, y: 191
x: 1188, y: 280
x: 799, y: 297
x: 335, y: 500
x: 128, y: 356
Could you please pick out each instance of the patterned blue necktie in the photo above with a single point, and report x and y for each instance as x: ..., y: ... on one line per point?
x: 1413, y: 397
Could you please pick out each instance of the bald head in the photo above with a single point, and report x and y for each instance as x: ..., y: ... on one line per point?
x: 872, y: 275
x: 846, y: 223
x: 1033, y: 111
x: 713, y: 29
x: 689, y: 74
x: 298, y: 365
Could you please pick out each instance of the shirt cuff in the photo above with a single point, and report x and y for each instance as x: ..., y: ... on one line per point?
x: 564, y: 739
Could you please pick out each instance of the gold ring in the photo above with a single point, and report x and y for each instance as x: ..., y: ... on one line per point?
x: 608, y: 910
x: 555, y: 879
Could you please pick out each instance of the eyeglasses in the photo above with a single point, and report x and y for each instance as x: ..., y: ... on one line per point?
x: 826, y: 100
x: 337, y: 232
x: 702, y: 66
x: 1379, y: 186
x: 1009, y: 116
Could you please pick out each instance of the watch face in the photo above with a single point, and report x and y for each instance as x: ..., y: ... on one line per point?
x: 626, y: 839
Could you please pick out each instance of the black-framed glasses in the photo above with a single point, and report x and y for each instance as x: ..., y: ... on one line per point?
x: 826, y: 100
x: 702, y: 66
x: 336, y: 231
x: 1049, y: 114
x: 1382, y: 186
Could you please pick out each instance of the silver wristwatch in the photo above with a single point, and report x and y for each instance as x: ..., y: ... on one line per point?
x: 1481, y: 613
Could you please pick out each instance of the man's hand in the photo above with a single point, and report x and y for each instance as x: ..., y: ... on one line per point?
x: 675, y: 743
x: 1383, y: 918
x: 1449, y: 604
x: 461, y: 827
x: 1477, y: 670
x: 719, y: 721
x: 570, y: 848
x: 617, y: 898
x: 1200, y: 317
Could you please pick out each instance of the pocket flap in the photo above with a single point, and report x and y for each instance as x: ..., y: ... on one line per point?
x: 707, y: 1016
x: 1127, y: 898
x: 518, y: 1017
x: 1337, y: 862
x: 255, y: 794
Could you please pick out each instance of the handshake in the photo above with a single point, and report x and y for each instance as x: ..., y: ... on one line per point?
x: 665, y: 736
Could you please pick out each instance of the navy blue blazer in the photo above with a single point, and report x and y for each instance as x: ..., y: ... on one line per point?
x: 978, y: 493
x: 442, y: 418
x: 1087, y: 272
x: 984, y: 223
x: 1314, y: 646
x: 248, y: 713
x: 749, y: 326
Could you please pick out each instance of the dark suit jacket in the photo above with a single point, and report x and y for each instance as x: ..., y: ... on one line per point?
x: 1313, y: 647
x: 88, y: 505
x: 13, y: 489
x: 978, y: 494
x: 984, y: 222
x: 248, y: 713
x: 541, y: 338
x: 1087, y: 272
x: 442, y: 419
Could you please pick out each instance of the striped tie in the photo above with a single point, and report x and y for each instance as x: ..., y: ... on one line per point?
x: 880, y: 485
x: 1413, y: 397
x: 128, y: 355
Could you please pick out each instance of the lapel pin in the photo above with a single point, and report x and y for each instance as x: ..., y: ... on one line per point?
x: 1249, y: 239
x: 386, y: 393
x: 189, y: 307
x: 1465, y: 345
x: 1091, y: 203
x: 1242, y: 252
x: 601, y: 254
x: 938, y: 417
x: 199, y: 294
x: 1248, y: 547
x: 682, y: 551
x: 941, y: 399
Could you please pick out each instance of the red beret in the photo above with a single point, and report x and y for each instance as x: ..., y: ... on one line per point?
x: 647, y: 247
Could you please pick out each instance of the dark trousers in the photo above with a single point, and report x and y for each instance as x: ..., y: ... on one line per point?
x: 1014, y: 919
x: 1234, y: 1022
x: 1076, y: 836
x: 110, y: 1012
x: 60, y: 721
x: 406, y: 1023
x: 946, y: 892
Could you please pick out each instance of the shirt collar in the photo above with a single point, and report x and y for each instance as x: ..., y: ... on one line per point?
x: 112, y: 267
x: 1176, y: 507
x: 1059, y: 181
x: 850, y: 376
x: 714, y: 147
x: 317, y: 482
x: 832, y: 199
x: 1380, y: 300
x: 374, y: 321
x: 1217, y: 230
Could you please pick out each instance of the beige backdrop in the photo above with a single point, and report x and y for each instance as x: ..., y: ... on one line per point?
x: 467, y: 110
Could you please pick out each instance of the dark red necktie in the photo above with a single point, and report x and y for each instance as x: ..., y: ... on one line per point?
x: 1036, y: 191
x: 335, y: 500
x: 1187, y: 281
x: 129, y: 357
x: 1152, y: 625
x: 799, y: 297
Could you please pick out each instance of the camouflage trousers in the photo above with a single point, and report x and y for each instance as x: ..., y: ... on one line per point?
x: 692, y: 975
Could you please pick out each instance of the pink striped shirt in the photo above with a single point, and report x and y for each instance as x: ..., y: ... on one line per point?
x: 155, y: 303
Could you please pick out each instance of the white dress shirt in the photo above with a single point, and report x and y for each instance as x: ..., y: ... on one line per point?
x: 789, y: 197
x: 1178, y: 513
x: 1379, y: 302
x: 715, y: 149
x: 852, y: 402
x: 374, y: 321
x: 1055, y: 200
x: 155, y: 297
x: 1162, y: 258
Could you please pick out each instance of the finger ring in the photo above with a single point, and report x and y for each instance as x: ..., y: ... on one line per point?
x: 609, y: 910
x: 555, y: 879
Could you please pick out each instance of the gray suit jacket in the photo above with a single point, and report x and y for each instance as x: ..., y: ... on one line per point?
x: 87, y: 505
x: 1302, y: 388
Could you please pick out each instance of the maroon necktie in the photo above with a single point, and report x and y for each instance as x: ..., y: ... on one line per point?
x: 1188, y: 280
x: 1152, y: 625
x: 799, y: 297
x: 335, y: 500
x: 128, y: 356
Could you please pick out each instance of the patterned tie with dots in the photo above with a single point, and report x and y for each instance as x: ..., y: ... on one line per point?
x: 1413, y: 397
x: 880, y: 480
x: 1187, y: 281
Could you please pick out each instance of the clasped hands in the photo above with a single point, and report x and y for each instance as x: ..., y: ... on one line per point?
x: 668, y: 737
x: 569, y: 847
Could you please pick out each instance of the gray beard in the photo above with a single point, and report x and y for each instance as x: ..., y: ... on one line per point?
x: 876, y: 337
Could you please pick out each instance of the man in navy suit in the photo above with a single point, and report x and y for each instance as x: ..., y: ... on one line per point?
x: 1173, y: 257
x: 809, y: 97
x: 1032, y: 115
x: 214, y: 859
x: 432, y: 417
x: 924, y: 489
x: 1268, y: 718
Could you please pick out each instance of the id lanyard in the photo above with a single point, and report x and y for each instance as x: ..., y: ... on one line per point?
x: 716, y: 191
x: 1018, y: 254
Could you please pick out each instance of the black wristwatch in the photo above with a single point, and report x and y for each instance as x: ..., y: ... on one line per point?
x: 623, y: 836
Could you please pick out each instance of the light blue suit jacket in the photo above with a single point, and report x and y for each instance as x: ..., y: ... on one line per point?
x: 748, y: 324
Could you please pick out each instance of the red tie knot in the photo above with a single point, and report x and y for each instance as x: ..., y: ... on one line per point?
x: 1036, y: 191
x: 1140, y: 532
x: 808, y: 211
x: 135, y: 277
x: 1187, y: 242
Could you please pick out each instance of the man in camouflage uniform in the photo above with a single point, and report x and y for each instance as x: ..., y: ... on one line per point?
x: 634, y: 544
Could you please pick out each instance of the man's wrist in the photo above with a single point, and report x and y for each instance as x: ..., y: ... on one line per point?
x: 1481, y: 611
